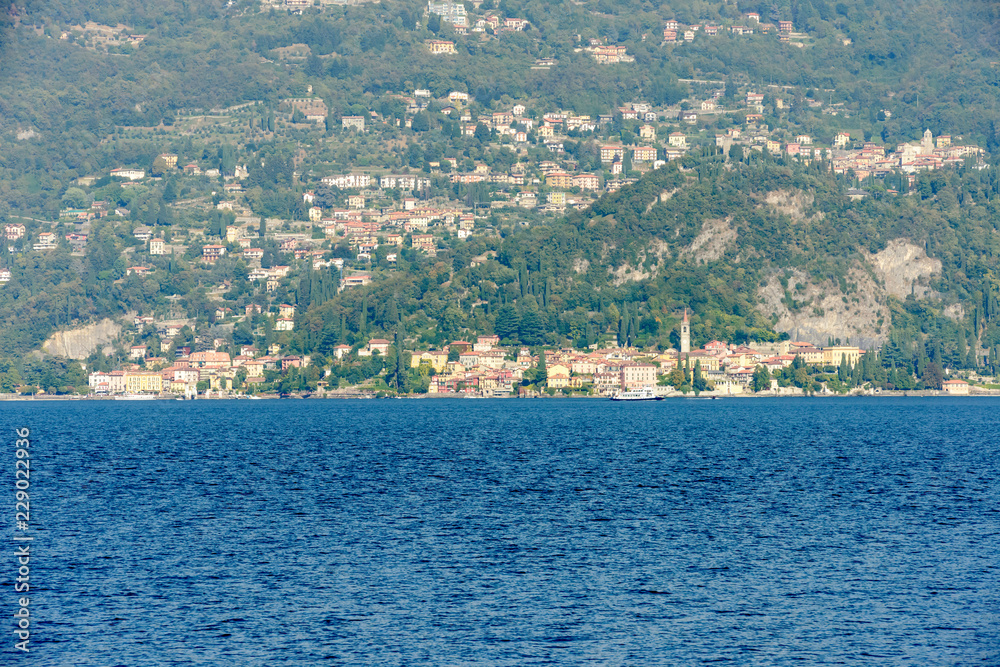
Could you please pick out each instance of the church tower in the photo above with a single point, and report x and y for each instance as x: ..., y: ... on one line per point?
x: 685, y: 334
x: 928, y: 142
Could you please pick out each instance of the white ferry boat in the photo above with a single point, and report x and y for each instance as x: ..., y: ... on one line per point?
x: 644, y: 394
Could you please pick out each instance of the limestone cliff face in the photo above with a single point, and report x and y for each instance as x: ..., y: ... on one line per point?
x: 817, y: 312
x: 904, y: 266
x: 715, y: 238
x: 79, y: 343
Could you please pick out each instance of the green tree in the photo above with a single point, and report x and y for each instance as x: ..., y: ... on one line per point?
x: 542, y: 375
x: 421, y: 122
x: 698, y: 383
x: 933, y: 376
x: 531, y: 330
x: 159, y: 167
x: 507, y: 322
x: 675, y: 378
x: 399, y: 377
x: 74, y: 198
x: 482, y: 133
x: 761, y: 379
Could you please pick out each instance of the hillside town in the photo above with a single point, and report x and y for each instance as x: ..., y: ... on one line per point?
x: 369, y: 210
x: 510, y: 161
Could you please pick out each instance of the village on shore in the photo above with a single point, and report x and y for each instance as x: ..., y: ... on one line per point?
x: 486, y: 369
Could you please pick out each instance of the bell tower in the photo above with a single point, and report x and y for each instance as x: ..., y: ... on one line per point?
x: 685, y: 334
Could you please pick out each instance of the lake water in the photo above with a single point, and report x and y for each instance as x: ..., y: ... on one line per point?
x: 506, y: 532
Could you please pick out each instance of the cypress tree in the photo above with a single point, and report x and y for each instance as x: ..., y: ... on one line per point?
x: 542, y: 375
x: 401, y: 379
x: 698, y: 383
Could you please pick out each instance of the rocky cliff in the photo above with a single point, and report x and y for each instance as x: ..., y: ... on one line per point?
x: 79, y: 343
x: 817, y: 312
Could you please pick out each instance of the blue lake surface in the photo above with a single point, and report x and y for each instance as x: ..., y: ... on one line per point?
x: 507, y: 532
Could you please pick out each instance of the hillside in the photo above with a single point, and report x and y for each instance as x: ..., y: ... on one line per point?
x: 754, y: 249
x: 584, y: 175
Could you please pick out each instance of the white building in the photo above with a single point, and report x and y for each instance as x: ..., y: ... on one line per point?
x: 348, y: 181
x: 128, y: 174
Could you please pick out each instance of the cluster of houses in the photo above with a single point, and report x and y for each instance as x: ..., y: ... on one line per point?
x: 909, y: 158
x: 216, y: 369
x: 299, y: 6
x: 45, y: 240
x: 487, y: 369
x: 550, y: 130
x: 608, y: 54
x: 456, y: 15
x: 870, y: 159
x: 675, y: 31
x: 93, y: 35
x: 146, y: 373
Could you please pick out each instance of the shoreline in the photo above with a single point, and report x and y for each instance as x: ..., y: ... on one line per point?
x: 923, y: 393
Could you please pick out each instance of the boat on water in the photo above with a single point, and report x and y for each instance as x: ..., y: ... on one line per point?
x: 136, y: 397
x: 644, y: 394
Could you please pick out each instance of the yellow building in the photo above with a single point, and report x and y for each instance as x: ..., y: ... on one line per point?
x: 559, y: 179
x: 709, y: 362
x: 436, y: 359
x: 220, y: 383
x: 956, y: 387
x: 809, y: 355
x: 440, y: 46
x: 557, y: 376
x: 832, y: 356
x: 143, y: 383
